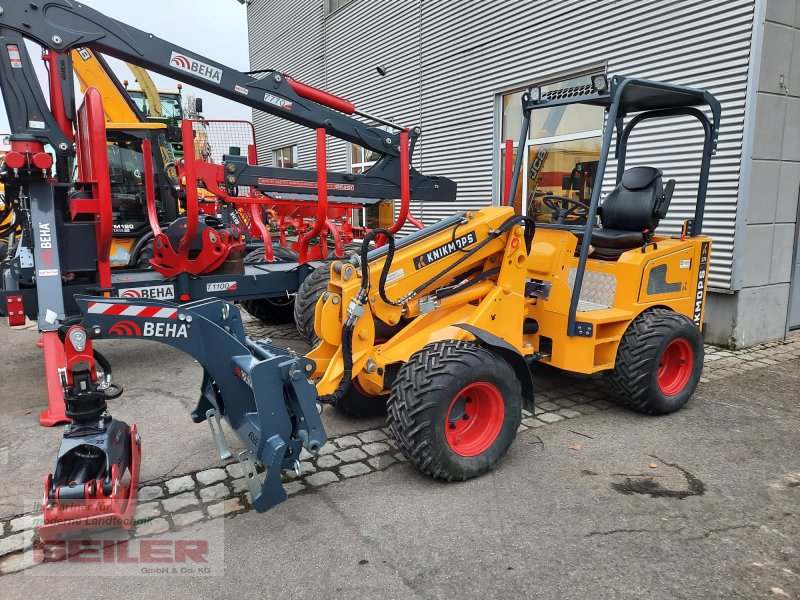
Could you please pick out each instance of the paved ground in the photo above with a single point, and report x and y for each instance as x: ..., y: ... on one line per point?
x: 700, y: 503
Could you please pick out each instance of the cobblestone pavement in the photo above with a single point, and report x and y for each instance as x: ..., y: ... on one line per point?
x: 178, y: 502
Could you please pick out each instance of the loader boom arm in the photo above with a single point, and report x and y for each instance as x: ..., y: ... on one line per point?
x: 61, y: 25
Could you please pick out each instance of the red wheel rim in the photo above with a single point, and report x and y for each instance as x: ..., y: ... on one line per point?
x: 474, y: 419
x: 675, y: 366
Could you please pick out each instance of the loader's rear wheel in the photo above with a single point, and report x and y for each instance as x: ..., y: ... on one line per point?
x: 355, y: 403
x: 277, y: 310
x: 454, y: 409
x: 310, y: 290
x: 659, y: 362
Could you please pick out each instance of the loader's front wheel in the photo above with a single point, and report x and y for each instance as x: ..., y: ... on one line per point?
x: 313, y: 286
x: 659, y: 362
x: 310, y: 290
x: 454, y: 409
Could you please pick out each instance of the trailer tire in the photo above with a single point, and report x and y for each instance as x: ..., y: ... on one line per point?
x: 310, y: 291
x: 279, y: 253
x: 144, y: 257
x: 659, y: 362
x: 271, y: 311
x: 454, y: 409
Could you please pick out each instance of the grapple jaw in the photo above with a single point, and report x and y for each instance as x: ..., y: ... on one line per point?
x: 88, y: 487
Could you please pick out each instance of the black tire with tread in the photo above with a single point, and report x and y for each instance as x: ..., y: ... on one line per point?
x: 634, y: 379
x: 310, y: 290
x: 313, y: 286
x: 421, y: 396
x: 145, y: 254
x: 279, y: 253
x: 271, y: 311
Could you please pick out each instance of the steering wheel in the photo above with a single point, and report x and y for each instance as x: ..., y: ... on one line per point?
x: 577, y: 209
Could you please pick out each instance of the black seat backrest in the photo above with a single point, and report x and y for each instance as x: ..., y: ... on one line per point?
x: 638, y: 202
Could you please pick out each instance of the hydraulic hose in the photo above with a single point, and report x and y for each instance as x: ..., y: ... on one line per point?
x: 354, y: 312
x: 530, y: 228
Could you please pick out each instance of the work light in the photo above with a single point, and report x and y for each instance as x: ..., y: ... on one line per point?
x: 600, y: 83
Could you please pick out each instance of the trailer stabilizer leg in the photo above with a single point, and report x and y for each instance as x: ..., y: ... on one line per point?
x: 212, y: 416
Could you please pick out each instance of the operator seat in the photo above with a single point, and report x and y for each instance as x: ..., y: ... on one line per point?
x: 631, y: 212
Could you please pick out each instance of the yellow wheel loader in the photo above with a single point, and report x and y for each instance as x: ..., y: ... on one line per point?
x: 443, y: 326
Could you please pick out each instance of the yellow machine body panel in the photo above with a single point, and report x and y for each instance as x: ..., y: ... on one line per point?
x: 148, y: 87
x: 514, y: 288
x: 92, y: 74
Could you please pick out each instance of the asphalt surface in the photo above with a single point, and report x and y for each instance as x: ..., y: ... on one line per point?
x: 716, y: 517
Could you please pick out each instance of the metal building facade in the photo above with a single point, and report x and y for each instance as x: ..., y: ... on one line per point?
x: 447, y: 63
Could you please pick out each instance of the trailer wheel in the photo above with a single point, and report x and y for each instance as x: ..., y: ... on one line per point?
x: 454, y: 409
x: 145, y: 255
x: 355, y: 403
x: 271, y: 311
x: 277, y: 310
x: 659, y: 362
x: 310, y: 290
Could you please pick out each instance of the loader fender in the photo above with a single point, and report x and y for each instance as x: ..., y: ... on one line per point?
x: 508, y: 353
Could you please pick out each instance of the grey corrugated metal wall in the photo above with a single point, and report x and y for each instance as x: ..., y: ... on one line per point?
x: 447, y: 61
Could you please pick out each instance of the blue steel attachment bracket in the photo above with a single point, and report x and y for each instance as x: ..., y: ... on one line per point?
x: 262, y: 390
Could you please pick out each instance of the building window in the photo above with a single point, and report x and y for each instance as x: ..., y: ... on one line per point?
x: 375, y: 215
x: 334, y: 5
x: 562, y: 150
x: 286, y: 157
x: 362, y: 159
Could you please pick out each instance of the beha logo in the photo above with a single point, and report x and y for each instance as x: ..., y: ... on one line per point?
x: 125, y: 329
x: 195, y: 67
